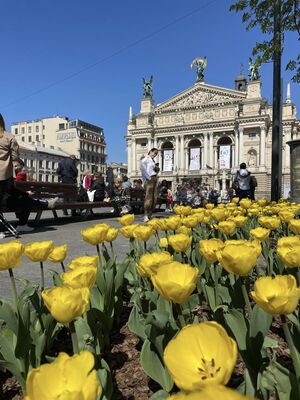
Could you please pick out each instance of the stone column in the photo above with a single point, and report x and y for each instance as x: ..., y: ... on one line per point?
x: 181, y: 165
x: 155, y: 142
x: 129, y: 157
x: 133, y: 156
x: 211, y: 149
x: 288, y: 137
x: 176, y: 164
x: 262, y: 146
x: 216, y: 166
x: 236, y: 147
x: 186, y: 159
x: 241, y: 147
x: 205, y: 149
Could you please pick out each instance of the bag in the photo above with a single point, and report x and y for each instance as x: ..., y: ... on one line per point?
x: 91, y: 195
x: 253, y: 182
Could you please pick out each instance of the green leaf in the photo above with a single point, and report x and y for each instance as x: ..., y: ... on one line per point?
x: 154, y: 367
x: 160, y: 395
x: 8, y: 315
x: 136, y: 323
x: 260, y: 324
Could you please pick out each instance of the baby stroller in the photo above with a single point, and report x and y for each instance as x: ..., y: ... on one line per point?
x: 8, y: 229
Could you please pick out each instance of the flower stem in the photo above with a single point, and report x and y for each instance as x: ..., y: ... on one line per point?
x: 14, y: 289
x: 246, y: 298
x: 42, y: 276
x: 63, y: 266
x: 145, y: 247
x: 179, y: 315
x: 112, y: 249
x: 294, y: 353
x: 74, y: 337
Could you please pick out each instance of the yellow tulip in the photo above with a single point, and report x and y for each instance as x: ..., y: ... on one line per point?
x: 65, y: 378
x: 235, y: 200
x: 100, y: 226
x: 80, y: 277
x: 190, y: 222
x: 143, y: 233
x: 39, y: 251
x: 127, y: 231
x: 58, y: 254
x: 156, y: 224
x: 260, y: 233
x: 94, y: 235
x: 163, y: 242
x: 294, y: 226
x: 218, y: 214
x: 237, y: 259
x: 111, y: 234
x: 262, y: 202
x: 149, y: 262
x: 289, y: 255
x: 209, y: 206
x: 10, y: 254
x: 180, y: 242
x: 127, y: 219
x: 208, y: 249
x: 253, y: 211
x: 183, y: 210
x: 84, y: 261
x: 278, y: 295
x: 201, y: 355
x: 227, y: 227
x: 245, y: 203
x: 272, y: 223
x: 286, y: 215
x: 65, y: 304
x: 172, y: 223
x: 185, y: 230
x: 288, y: 241
x: 239, y: 220
x: 175, y: 281
x: 211, y: 392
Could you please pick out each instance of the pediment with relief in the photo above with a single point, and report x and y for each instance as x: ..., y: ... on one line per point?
x: 201, y: 95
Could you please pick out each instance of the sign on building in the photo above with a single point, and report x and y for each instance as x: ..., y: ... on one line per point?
x: 224, y: 158
x: 194, y: 159
x: 168, y: 161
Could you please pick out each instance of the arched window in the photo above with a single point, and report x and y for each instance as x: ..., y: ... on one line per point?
x: 167, y: 155
x: 225, y: 152
x: 194, y: 153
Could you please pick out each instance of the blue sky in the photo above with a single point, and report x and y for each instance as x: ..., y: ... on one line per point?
x: 45, y: 44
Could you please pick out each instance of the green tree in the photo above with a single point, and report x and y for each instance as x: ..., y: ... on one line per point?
x: 260, y: 13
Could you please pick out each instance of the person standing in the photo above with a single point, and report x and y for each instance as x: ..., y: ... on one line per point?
x: 149, y: 176
x: 68, y: 173
x: 242, y: 182
x: 10, y: 197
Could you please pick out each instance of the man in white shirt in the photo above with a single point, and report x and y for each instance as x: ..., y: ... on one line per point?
x: 149, y: 175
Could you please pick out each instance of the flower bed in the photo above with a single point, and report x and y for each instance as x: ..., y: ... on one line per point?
x: 207, y: 289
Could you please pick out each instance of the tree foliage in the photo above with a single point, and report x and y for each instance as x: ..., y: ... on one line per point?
x: 260, y: 13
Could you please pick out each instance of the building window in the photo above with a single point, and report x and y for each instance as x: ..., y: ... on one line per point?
x: 43, y: 136
x: 29, y: 139
x: 23, y: 139
x: 22, y: 130
x: 29, y: 129
x: 252, y: 134
x: 46, y: 178
x: 167, y: 157
x: 194, y: 155
x: 37, y: 138
x: 16, y: 131
x: 144, y: 144
x: 225, y: 152
x: 40, y: 177
x: 37, y: 129
x: 41, y: 164
x: 61, y: 126
x: 47, y: 164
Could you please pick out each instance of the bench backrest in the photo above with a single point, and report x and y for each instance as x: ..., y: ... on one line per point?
x: 46, y: 190
x: 137, y: 194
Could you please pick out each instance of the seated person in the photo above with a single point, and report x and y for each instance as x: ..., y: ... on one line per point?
x: 98, y: 185
x: 118, y: 198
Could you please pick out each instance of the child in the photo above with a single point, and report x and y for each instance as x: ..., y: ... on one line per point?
x: 169, y: 200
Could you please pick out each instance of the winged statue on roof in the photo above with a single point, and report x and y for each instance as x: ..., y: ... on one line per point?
x: 200, y: 64
x: 147, y: 85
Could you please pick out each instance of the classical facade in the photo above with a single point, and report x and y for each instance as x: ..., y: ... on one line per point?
x: 206, y: 131
x: 84, y: 140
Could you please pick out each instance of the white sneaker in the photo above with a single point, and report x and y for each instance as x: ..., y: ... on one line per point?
x: 146, y: 219
x: 24, y: 228
x: 52, y: 202
x: 2, y: 235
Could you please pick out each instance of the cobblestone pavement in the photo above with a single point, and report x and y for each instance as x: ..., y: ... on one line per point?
x: 65, y: 230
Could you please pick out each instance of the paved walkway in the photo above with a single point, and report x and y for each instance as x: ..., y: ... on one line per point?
x: 65, y: 230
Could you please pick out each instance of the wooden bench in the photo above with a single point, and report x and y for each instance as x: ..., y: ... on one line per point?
x: 68, y: 194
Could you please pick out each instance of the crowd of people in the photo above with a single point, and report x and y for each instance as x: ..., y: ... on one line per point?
x: 115, y: 193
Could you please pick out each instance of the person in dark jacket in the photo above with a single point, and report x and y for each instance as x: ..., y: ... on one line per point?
x: 67, y: 170
x: 242, y: 182
x: 99, y: 186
